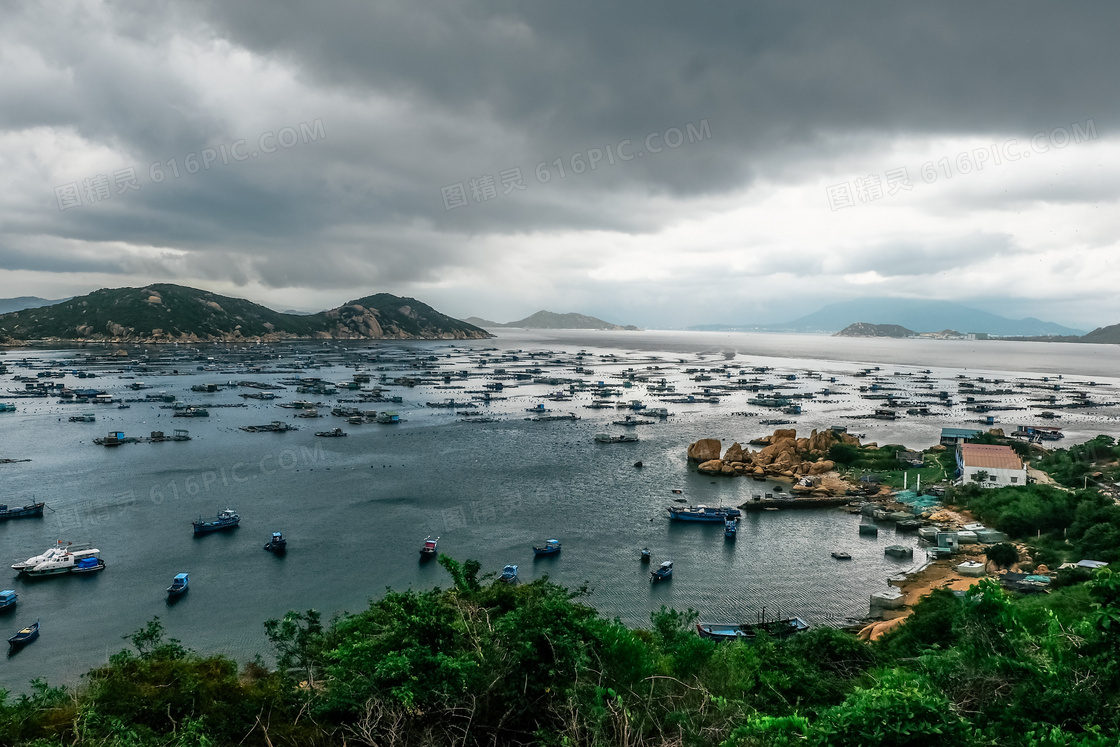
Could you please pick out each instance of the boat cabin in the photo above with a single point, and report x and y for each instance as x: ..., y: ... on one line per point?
x: 8, y: 598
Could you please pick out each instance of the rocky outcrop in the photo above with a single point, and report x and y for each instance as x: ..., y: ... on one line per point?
x: 784, y: 456
x: 704, y: 450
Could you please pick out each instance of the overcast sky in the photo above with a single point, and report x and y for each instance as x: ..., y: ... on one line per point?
x: 753, y: 161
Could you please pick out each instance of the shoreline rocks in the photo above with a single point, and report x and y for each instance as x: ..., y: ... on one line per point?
x: 784, y: 456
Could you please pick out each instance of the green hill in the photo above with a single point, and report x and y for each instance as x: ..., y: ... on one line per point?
x: 166, y: 313
x: 552, y: 320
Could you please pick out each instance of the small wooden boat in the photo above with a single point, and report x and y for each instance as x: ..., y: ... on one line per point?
x: 509, y: 574
x: 23, y: 637
x: 8, y: 599
x: 277, y: 544
x: 730, y: 529
x: 749, y: 631
x: 551, y: 547
x: 646, y: 555
x: 664, y: 572
x: 179, y: 586
x: 840, y: 555
x: 430, y: 548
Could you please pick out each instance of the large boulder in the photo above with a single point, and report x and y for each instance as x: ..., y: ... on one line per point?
x: 781, y: 433
x: 735, y: 453
x: 711, y: 467
x: 821, y: 467
x: 704, y: 450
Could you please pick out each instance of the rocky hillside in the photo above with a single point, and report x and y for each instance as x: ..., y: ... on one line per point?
x: 174, y: 313
x: 1109, y: 334
x: 864, y: 329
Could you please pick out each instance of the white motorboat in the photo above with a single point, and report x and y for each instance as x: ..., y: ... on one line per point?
x: 62, y: 560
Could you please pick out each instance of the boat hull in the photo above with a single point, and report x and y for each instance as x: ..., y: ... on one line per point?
x: 34, y: 510
x: 748, y: 631
x: 205, y: 528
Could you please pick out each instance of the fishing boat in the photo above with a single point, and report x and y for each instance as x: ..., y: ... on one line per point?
x: 646, y: 555
x: 227, y: 519
x: 430, y: 548
x: 606, y: 438
x: 23, y: 637
x: 841, y: 555
x: 664, y: 572
x: 28, y: 511
x: 277, y: 544
x: 179, y: 586
x: 702, y: 513
x: 88, y: 565
x: 730, y: 528
x: 8, y: 599
x: 749, y: 631
x: 509, y: 574
x: 60, y: 559
x: 551, y: 547
x: 336, y: 433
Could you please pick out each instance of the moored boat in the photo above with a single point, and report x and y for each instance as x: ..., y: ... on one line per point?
x: 749, y: 631
x: 430, y: 548
x: 509, y: 574
x: 730, y: 528
x: 841, y: 555
x: 179, y: 586
x: 227, y: 519
x: 61, y: 559
x: 8, y: 599
x: 551, y: 547
x: 277, y: 544
x: 88, y: 565
x: 28, y: 511
x: 646, y: 555
x: 664, y: 572
x: 24, y: 637
x: 703, y: 513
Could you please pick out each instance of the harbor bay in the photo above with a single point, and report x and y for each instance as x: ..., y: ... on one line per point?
x: 490, y: 481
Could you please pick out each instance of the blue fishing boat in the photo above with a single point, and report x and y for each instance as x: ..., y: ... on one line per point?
x: 23, y: 637
x: 730, y: 529
x: 179, y: 586
x: 8, y: 599
x: 749, y: 631
x: 88, y: 565
x: 509, y: 574
x: 430, y: 548
x: 703, y: 513
x: 646, y: 555
x: 551, y: 547
x: 277, y: 544
x: 225, y: 520
x: 664, y: 572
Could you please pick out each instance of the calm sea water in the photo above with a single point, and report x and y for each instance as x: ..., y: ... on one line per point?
x: 356, y: 509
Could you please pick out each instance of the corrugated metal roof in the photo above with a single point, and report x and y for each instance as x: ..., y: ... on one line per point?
x: 987, y: 456
x: 959, y: 432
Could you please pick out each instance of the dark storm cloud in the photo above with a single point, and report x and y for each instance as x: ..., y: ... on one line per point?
x: 416, y: 95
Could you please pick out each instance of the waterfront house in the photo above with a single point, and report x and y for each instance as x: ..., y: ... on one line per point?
x: 957, y: 436
x: 1000, y: 465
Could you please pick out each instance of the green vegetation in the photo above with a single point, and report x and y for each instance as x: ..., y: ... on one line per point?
x: 484, y: 663
x: 165, y: 311
x: 883, y: 463
x: 1061, y: 524
x: 1079, y: 465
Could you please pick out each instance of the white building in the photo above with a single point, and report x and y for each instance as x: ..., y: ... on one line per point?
x: 1001, y: 465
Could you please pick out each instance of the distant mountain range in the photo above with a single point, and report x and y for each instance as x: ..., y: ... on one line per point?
x: 174, y: 313
x: 915, y: 314
x: 551, y: 320
x: 8, y: 305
